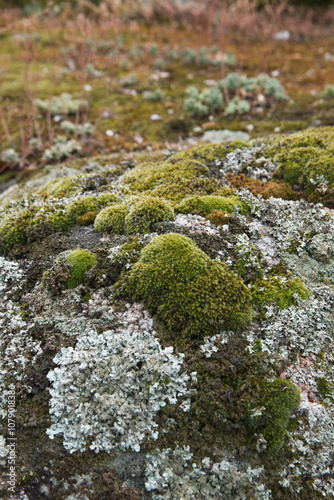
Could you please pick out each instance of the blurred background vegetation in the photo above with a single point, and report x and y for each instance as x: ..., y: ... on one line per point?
x: 29, y: 5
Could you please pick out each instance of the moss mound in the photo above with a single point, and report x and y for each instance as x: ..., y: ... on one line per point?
x: 191, y: 294
x: 204, y: 205
x: 210, y: 153
x: 65, y: 186
x: 80, y: 261
x: 146, y: 212
x: 148, y: 176
x: 89, y: 204
x: 43, y: 218
x: 111, y: 219
x: 172, y: 179
x: 87, y: 219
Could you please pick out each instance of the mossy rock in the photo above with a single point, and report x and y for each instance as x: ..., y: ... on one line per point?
x: 146, y: 212
x: 111, y: 219
x: 204, y: 205
x: 191, y: 294
x: 80, y: 261
x: 89, y: 204
x: 306, y: 160
x: 148, y: 177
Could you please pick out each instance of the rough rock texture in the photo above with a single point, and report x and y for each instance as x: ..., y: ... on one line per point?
x: 116, y: 399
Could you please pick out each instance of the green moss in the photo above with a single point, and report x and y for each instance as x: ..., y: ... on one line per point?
x: 42, y: 219
x: 63, y: 187
x: 281, y: 398
x: 282, y: 291
x: 146, y: 212
x: 111, y: 219
x: 13, y: 229
x: 189, y: 293
x: 305, y: 158
x: 88, y: 204
x: 49, y: 217
x: 151, y: 176
x: 87, y: 219
x: 186, y: 187
x: 203, y: 205
x: 173, y: 179
x: 324, y: 386
x: 210, y: 153
x: 218, y: 217
x: 80, y: 262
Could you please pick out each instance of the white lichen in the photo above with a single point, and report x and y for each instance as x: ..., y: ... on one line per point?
x: 107, y: 390
x: 174, y: 474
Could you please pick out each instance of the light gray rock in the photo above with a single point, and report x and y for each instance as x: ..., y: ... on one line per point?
x: 216, y: 136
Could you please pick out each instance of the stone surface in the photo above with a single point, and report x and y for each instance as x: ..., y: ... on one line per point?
x: 217, y: 136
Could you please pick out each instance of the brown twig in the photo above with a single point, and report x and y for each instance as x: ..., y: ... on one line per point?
x: 5, y: 126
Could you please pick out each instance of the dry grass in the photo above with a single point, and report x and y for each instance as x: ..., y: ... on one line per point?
x: 36, y: 52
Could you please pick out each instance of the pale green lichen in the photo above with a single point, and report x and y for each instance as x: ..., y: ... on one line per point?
x: 173, y: 474
x: 127, y: 379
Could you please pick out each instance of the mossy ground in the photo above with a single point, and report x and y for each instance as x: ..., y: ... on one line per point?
x: 116, y: 70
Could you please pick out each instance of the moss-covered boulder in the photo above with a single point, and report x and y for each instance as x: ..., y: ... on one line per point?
x: 188, y: 330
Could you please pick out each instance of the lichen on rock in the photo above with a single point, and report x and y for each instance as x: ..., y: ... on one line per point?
x: 130, y: 378
x: 175, y: 315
